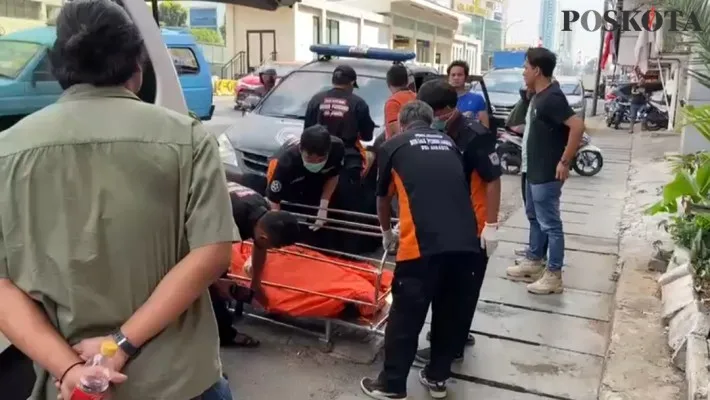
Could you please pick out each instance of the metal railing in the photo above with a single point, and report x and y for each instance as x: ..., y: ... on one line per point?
x: 236, y: 67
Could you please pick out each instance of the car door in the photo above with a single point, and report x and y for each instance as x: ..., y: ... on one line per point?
x: 43, y: 87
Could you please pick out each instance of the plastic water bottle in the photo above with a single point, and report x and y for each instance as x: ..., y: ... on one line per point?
x: 93, y: 385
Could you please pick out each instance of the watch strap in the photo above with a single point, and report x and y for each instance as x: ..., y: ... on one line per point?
x: 125, y: 346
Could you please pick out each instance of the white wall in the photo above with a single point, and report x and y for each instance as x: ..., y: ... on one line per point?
x: 375, y: 35
x: 304, y: 32
x: 349, y: 29
x: 282, y: 21
x: 691, y: 140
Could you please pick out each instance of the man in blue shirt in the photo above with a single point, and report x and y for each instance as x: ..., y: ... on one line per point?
x: 470, y: 103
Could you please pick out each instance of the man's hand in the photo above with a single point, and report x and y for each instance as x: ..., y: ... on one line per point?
x: 489, y: 238
x: 389, y: 240
x: 88, y: 348
x: 73, y: 376
x: 562, y: 172
x: 320, y: 219
x: 259, y: 295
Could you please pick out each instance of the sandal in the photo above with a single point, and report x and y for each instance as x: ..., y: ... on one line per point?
x: 243, y: 341
x: 470, y: 340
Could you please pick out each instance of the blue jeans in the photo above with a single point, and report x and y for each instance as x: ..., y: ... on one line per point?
x: 220, y: 391
x: 543, y: 210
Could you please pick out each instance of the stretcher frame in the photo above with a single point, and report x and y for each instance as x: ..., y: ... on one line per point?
x: 382, y: 299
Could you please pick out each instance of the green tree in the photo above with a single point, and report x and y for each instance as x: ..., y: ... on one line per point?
x: 172, y: 14
x: 207, y: 36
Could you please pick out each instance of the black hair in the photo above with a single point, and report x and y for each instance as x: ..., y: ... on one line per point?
x: 281, y: 227
x: 315, y: 140
x: 97, y: 43
x: 438, y: 93
x: 398, y: 76
x: 458, y: 63
x: 542, y: 58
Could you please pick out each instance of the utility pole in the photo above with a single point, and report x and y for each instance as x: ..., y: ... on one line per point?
x: 597, y: 79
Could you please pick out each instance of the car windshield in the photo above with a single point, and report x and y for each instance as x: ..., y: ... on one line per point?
x: 14, y: 56
x: 503, y: 82
x: 290, y: 98
x: 571, y: 89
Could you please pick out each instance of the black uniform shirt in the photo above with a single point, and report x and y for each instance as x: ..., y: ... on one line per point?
x: 478, y: 145
x: 247, y: 207
x: 424, y: 168
x: 345, y: 115
x: 548, y: 134
x: 288, y: 179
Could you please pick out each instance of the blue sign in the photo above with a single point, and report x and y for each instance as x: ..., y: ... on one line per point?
x: 201, y: 17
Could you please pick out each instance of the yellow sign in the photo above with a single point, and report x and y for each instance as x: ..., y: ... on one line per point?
x: 475, y: 7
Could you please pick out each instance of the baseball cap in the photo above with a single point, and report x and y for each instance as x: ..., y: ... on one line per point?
x: 344, y: 74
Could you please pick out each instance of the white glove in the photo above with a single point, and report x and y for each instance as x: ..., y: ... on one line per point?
x: 321, y: 216
x: 389, y: 240
x: 489, y: 238
x: 247, y: 267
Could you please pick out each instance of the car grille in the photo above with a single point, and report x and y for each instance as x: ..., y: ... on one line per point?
x: 255, y: 162
x: 502, y: 112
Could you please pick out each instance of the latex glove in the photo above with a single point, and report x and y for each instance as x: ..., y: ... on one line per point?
x: 389, y: 240
x: 321, y: 216
x: 247, y: 267
x: 489, y: 238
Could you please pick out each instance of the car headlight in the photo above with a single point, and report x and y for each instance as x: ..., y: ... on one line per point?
x: 226, y: 150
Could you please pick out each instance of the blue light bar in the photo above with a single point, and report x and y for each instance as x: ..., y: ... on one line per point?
x: 370, y: 53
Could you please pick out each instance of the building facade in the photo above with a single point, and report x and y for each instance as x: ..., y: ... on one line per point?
x: 16, y: 15
x: 548, y: 23
x: 485, y: 23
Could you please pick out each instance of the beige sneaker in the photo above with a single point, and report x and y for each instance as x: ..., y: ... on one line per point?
x: 525, y: 271
x: 550, y: 283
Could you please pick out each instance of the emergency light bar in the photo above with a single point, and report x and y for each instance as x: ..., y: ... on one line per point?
x: 370, y: 53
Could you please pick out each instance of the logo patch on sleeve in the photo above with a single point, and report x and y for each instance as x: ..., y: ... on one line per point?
x: 275, y: 186
x: 494, y: 158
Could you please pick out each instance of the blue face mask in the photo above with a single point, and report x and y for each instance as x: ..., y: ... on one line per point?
x: 314, y: 167
x: 439, y: 124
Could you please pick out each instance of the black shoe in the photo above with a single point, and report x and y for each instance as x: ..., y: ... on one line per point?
x: 470, y: 340
x: 437, y: 390
x: 377, y: 390
x: 423, y: 357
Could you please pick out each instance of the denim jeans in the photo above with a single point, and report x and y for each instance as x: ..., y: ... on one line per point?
x: 543, y: 210
x: 220, y: 391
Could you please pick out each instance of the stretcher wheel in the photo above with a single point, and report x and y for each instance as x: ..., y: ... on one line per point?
x: 325, y: 347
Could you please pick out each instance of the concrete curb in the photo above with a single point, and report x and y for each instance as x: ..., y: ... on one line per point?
x: 688, y: 322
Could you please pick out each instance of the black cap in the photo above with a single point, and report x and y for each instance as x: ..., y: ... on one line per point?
x: 343, y: 75
x: 268, y: 71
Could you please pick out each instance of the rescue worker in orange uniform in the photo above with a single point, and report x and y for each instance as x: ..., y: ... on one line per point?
x: 481, y: 162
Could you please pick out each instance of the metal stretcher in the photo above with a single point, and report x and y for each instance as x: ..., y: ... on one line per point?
x: 382, y: 299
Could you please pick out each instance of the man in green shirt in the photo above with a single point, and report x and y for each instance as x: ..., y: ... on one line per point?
x: 114, y: 220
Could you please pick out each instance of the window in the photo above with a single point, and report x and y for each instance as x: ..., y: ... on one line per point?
x: 316, y: 30
x: 43, y: 72
x: 504, y: 82
x: 25, y: 9
x: 52, y: 11
x: 571, y: 89
x: 184, y: 60
x: 332, y: 31
x: 14, y: 57
x: 292, y: 95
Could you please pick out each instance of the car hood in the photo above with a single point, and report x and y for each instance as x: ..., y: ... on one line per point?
x: 263, y: 135
x: 503, y: 99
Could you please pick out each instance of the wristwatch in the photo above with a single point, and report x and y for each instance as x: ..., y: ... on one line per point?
x: 125, y: 346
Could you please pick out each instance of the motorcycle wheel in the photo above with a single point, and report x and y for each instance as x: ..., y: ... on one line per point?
x: 608, y: 121
x: 617, y: 121
x: 588, y: 163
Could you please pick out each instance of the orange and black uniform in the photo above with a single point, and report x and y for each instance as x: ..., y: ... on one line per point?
x: 288, y: 179
x: 394, y: 105
x: 437, y: 253
x: 346, y: 116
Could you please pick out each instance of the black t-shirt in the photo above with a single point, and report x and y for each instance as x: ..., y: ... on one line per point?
x: 247, y: 207
x: 424, y: 168
x: 638, y: 94
x: 548, y: 134
x: 345, y: 114
x: 288, y: 179
x: 478, y: 146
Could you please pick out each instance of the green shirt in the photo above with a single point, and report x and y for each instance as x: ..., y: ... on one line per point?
x: 102, y: 195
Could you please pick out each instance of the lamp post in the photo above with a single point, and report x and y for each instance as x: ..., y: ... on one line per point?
x: 505, y: 31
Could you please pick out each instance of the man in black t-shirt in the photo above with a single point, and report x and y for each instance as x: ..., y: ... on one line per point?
x: 345, y: 115
x: 437, y: 255
x: 552, y: 142
x: 638, y: 101
x: 267, y: 229
x: 306, y: 172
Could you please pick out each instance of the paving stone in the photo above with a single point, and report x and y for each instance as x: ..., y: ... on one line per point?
x: 572, y: 241
x: 537, y: 369
x: 600, y: 200
x: 696, y: 371
x: 578, y: 303
x: 574, y: 223
x: 583, y: 271
x: 618, y: 194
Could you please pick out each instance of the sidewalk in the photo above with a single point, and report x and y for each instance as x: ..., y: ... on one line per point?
x: 535, y: 347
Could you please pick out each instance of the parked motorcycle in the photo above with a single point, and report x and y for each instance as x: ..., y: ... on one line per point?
x: 654, y: 117
x: 619, y: 111
x: 588, y: 160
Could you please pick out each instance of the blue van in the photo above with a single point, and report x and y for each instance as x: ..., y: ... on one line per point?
x: 27, y: 84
